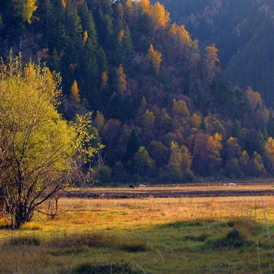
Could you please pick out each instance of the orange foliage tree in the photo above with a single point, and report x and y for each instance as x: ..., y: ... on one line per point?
x: 155, y: 59
x: 159, y: 15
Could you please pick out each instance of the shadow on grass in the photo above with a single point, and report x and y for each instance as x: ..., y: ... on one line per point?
x: 185, y: 224
x: 225, y: 243
x: 210, y: 235
x: 28, y: 240
x: 174, y: 243
x: 115, y: 268
x: 6, y: 226
x: 100, y: 241
x: 75, y: 243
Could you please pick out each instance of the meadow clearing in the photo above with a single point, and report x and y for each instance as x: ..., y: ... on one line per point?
x: 146, y: 235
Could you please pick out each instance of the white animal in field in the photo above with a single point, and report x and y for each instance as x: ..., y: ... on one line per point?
x: 231, y: 184
x: 142, y: 185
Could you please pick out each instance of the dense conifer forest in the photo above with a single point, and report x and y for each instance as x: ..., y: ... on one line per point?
x: 241, y: 30
x: 161, y: 104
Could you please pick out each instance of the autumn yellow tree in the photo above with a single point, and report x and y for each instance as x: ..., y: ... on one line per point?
x: 142, y: 161
x: 104, y: 80
x: 269, y: 154
x: 257, y: 166
x: 121, y: 35
x: 180, y: 34
x: 159, y: 15
x: 74, y: 93
x: 64, y: 3
x: 244, y: 163
x: 155, y: 58
x: 195, y: 121
x: 145, y: 5
x: 253, y: 99
x: 232, y: 148
x: 180, y: 108
x: 211, y: 61
x: 121, y: 79
x: 206, y: 153
x: 24, y: 9
x: 39, y: 151
x: 120, y: 11
x: 128, y: 9
x: 214, y: 148
x: 85, y: 36
x: 179, y: 156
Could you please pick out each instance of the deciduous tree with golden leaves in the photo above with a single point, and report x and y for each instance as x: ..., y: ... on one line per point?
x: 155, y: 59
x: 39, y: 150
x: 25, y: 9
x: 75, y: 93
x: 121, y: 79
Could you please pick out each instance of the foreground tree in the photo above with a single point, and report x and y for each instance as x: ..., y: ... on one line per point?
x: 39, y: 151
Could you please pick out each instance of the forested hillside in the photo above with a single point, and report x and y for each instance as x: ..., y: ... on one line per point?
x: 161, y: 105
x: 241, y: 30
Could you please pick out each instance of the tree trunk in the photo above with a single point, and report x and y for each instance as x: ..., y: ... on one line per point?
x: 21, y: 215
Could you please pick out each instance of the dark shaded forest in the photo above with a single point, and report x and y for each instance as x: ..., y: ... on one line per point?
x: 241, y: 30
x: 161, y: 103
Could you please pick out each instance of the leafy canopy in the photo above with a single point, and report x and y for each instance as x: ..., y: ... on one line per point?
x: 39, y: 150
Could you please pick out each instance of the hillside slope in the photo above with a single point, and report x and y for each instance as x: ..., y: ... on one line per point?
x: 162, y: 106
x: 241, y: 30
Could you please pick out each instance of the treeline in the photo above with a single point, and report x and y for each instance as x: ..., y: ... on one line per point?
x: 162, y: 107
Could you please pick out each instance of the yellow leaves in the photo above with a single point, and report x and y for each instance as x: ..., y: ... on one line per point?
x: 212, y: 55
x: 145, y: 5
x: 84, y: 148
x: 211, y: 61
x: 41, y: 149
x: 195, y: 120
x: 121, y: 79
x: 120, y: 10
x: 129, y: 7
x: 30, y: 70
x: 269, y: 145
x: 74, y: 93
x: 216, y: 141
x: 207, y: 148
x: 25, y: 9
x: 27, y: 105
x: 253, y: 98
x: 147, y: 120
x: 157, y: 13
x: 180, y: 34
x: 179, y: 157
x: 180, y: 108
x: 85, y: 36
x: 121, y: 36
x: 269, y: 153
x: 155, y: 58
x: 64, y: 3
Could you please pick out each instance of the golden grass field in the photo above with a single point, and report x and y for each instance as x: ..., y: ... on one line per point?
x: 151, y: 235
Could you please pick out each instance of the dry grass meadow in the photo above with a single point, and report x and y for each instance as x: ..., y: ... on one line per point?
x: 151, y: 235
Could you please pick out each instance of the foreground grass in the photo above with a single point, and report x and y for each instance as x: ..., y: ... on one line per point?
x: 183, y: 235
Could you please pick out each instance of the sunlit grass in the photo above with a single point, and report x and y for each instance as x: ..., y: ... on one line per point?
x: 152, y: 235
